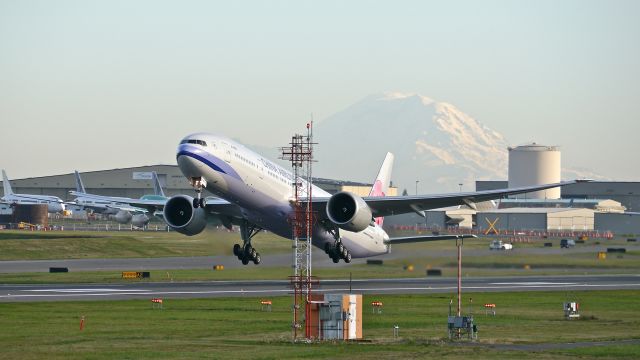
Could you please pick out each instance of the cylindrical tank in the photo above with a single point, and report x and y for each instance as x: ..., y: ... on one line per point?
x: 35, y: 214
x: 535, y: 164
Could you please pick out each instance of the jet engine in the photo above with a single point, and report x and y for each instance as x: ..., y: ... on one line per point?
x: 123, y: 217
x: 182, y: 217
x: 349, y: 212
x: 139, y: 220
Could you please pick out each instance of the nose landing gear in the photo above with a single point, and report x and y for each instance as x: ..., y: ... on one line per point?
x: 198, y: 183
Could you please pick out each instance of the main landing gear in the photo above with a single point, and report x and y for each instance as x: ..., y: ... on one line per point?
x: 337, y: 250
x: 198, y: 183
x: 246, y: 252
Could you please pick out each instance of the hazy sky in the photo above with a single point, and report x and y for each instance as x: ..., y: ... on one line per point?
x: 102, y: 84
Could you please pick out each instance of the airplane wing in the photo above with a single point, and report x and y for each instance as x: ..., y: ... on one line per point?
x: 215, y: 206
x: 415, y: 239
x: 150, y: 204
x: 395, y: 205
x: 126, y: 208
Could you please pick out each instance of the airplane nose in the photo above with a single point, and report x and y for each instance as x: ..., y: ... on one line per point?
x: 189, y: 166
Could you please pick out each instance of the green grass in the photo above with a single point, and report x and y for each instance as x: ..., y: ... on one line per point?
x: 24, y: 245
x: 236, y: 328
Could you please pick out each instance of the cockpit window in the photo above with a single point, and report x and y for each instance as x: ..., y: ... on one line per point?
x: 194, y: 141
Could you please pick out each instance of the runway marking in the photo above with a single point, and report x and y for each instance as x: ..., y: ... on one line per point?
x: 531, y: 283
x: 119, y: 292
x: 82, y: 290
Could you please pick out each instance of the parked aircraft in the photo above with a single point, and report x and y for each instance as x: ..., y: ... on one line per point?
x: 257, y: 194
x: 119, y: 206
x: 54, y: 203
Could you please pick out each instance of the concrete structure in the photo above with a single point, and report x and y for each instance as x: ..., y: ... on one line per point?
x: 537, y: 219
x: 628, y: 224
x: 535, y: 164
x: 457, y: 216
x: 594, y: 204
x: 134, y: 182
x: 627, y: 193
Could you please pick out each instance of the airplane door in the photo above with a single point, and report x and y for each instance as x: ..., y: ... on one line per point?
x: 226, y: 149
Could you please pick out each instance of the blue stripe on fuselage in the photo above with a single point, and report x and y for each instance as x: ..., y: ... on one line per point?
x: 211, y: 161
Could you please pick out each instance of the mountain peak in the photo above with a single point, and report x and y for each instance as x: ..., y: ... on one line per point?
x: 435, y: 143
x: 396, y: 95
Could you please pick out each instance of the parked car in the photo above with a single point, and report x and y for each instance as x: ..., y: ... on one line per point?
x: 499, y: 245
x: 567, y: 243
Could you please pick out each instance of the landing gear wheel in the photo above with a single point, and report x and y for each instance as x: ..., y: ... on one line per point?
x: 347, y: 258
x: 327, y: 248
x: 237, y: 250
x: 344, y: 253
x: 245, y: 260
x: 340, y: 247
x: 196, y: 203
x: 256, y: 259
x: 335, y: 259
x: 253, y: 253
x: 201, y: 202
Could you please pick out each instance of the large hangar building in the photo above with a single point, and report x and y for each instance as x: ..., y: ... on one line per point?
x: 134, y: 182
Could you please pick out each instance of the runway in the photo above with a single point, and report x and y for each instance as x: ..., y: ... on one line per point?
x: 266, y: 288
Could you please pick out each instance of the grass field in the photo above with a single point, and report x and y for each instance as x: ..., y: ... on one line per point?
x: 236, y: 328
x: 22, y: 245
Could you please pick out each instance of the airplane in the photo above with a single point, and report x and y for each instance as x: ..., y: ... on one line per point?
x: 119, y: 206
x: 54, y: 203
x: 256, y: 194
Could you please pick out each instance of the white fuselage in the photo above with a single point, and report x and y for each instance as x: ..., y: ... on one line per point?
x: 107, y: 205
x: 54, y: 203
x: 263, y: 190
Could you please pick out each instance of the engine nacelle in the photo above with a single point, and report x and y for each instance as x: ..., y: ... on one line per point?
x: 122, y: 217
x: 349, y: 212
x: 139, y: 220
x: 182, y: 217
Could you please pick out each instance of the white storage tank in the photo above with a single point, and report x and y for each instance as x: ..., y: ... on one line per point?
x: 535, y: 164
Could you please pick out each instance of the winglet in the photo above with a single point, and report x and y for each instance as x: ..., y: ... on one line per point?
x: 6, y: 184
x: 156, y: 185
x: 79, y: 184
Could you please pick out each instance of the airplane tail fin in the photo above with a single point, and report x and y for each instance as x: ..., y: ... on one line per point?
x: 383, y: 181
x: 79, y: 184
x: 156, y: 185
x: 6, y: 184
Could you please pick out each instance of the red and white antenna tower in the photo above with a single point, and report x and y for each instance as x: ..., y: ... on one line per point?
x: 300, y: 154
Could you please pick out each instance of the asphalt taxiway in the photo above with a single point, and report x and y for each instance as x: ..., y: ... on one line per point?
x: 263, y: 288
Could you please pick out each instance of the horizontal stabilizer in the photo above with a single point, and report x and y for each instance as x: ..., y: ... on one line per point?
x: 415, y: 239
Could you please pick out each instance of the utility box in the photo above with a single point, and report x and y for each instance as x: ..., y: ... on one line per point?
x: 336, y: 317
x: 459, y: 326
x: 571, y: 310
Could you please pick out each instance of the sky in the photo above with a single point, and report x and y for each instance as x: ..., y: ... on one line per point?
x: 93, y: 85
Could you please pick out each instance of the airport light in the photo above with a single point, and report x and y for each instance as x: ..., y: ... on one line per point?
x: 417, y: 181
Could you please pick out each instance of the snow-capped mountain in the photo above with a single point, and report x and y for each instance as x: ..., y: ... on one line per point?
x: 434, y: 143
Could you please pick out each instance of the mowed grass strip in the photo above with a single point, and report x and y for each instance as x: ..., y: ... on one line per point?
x: 23, y: 245
x: 237, y: 328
